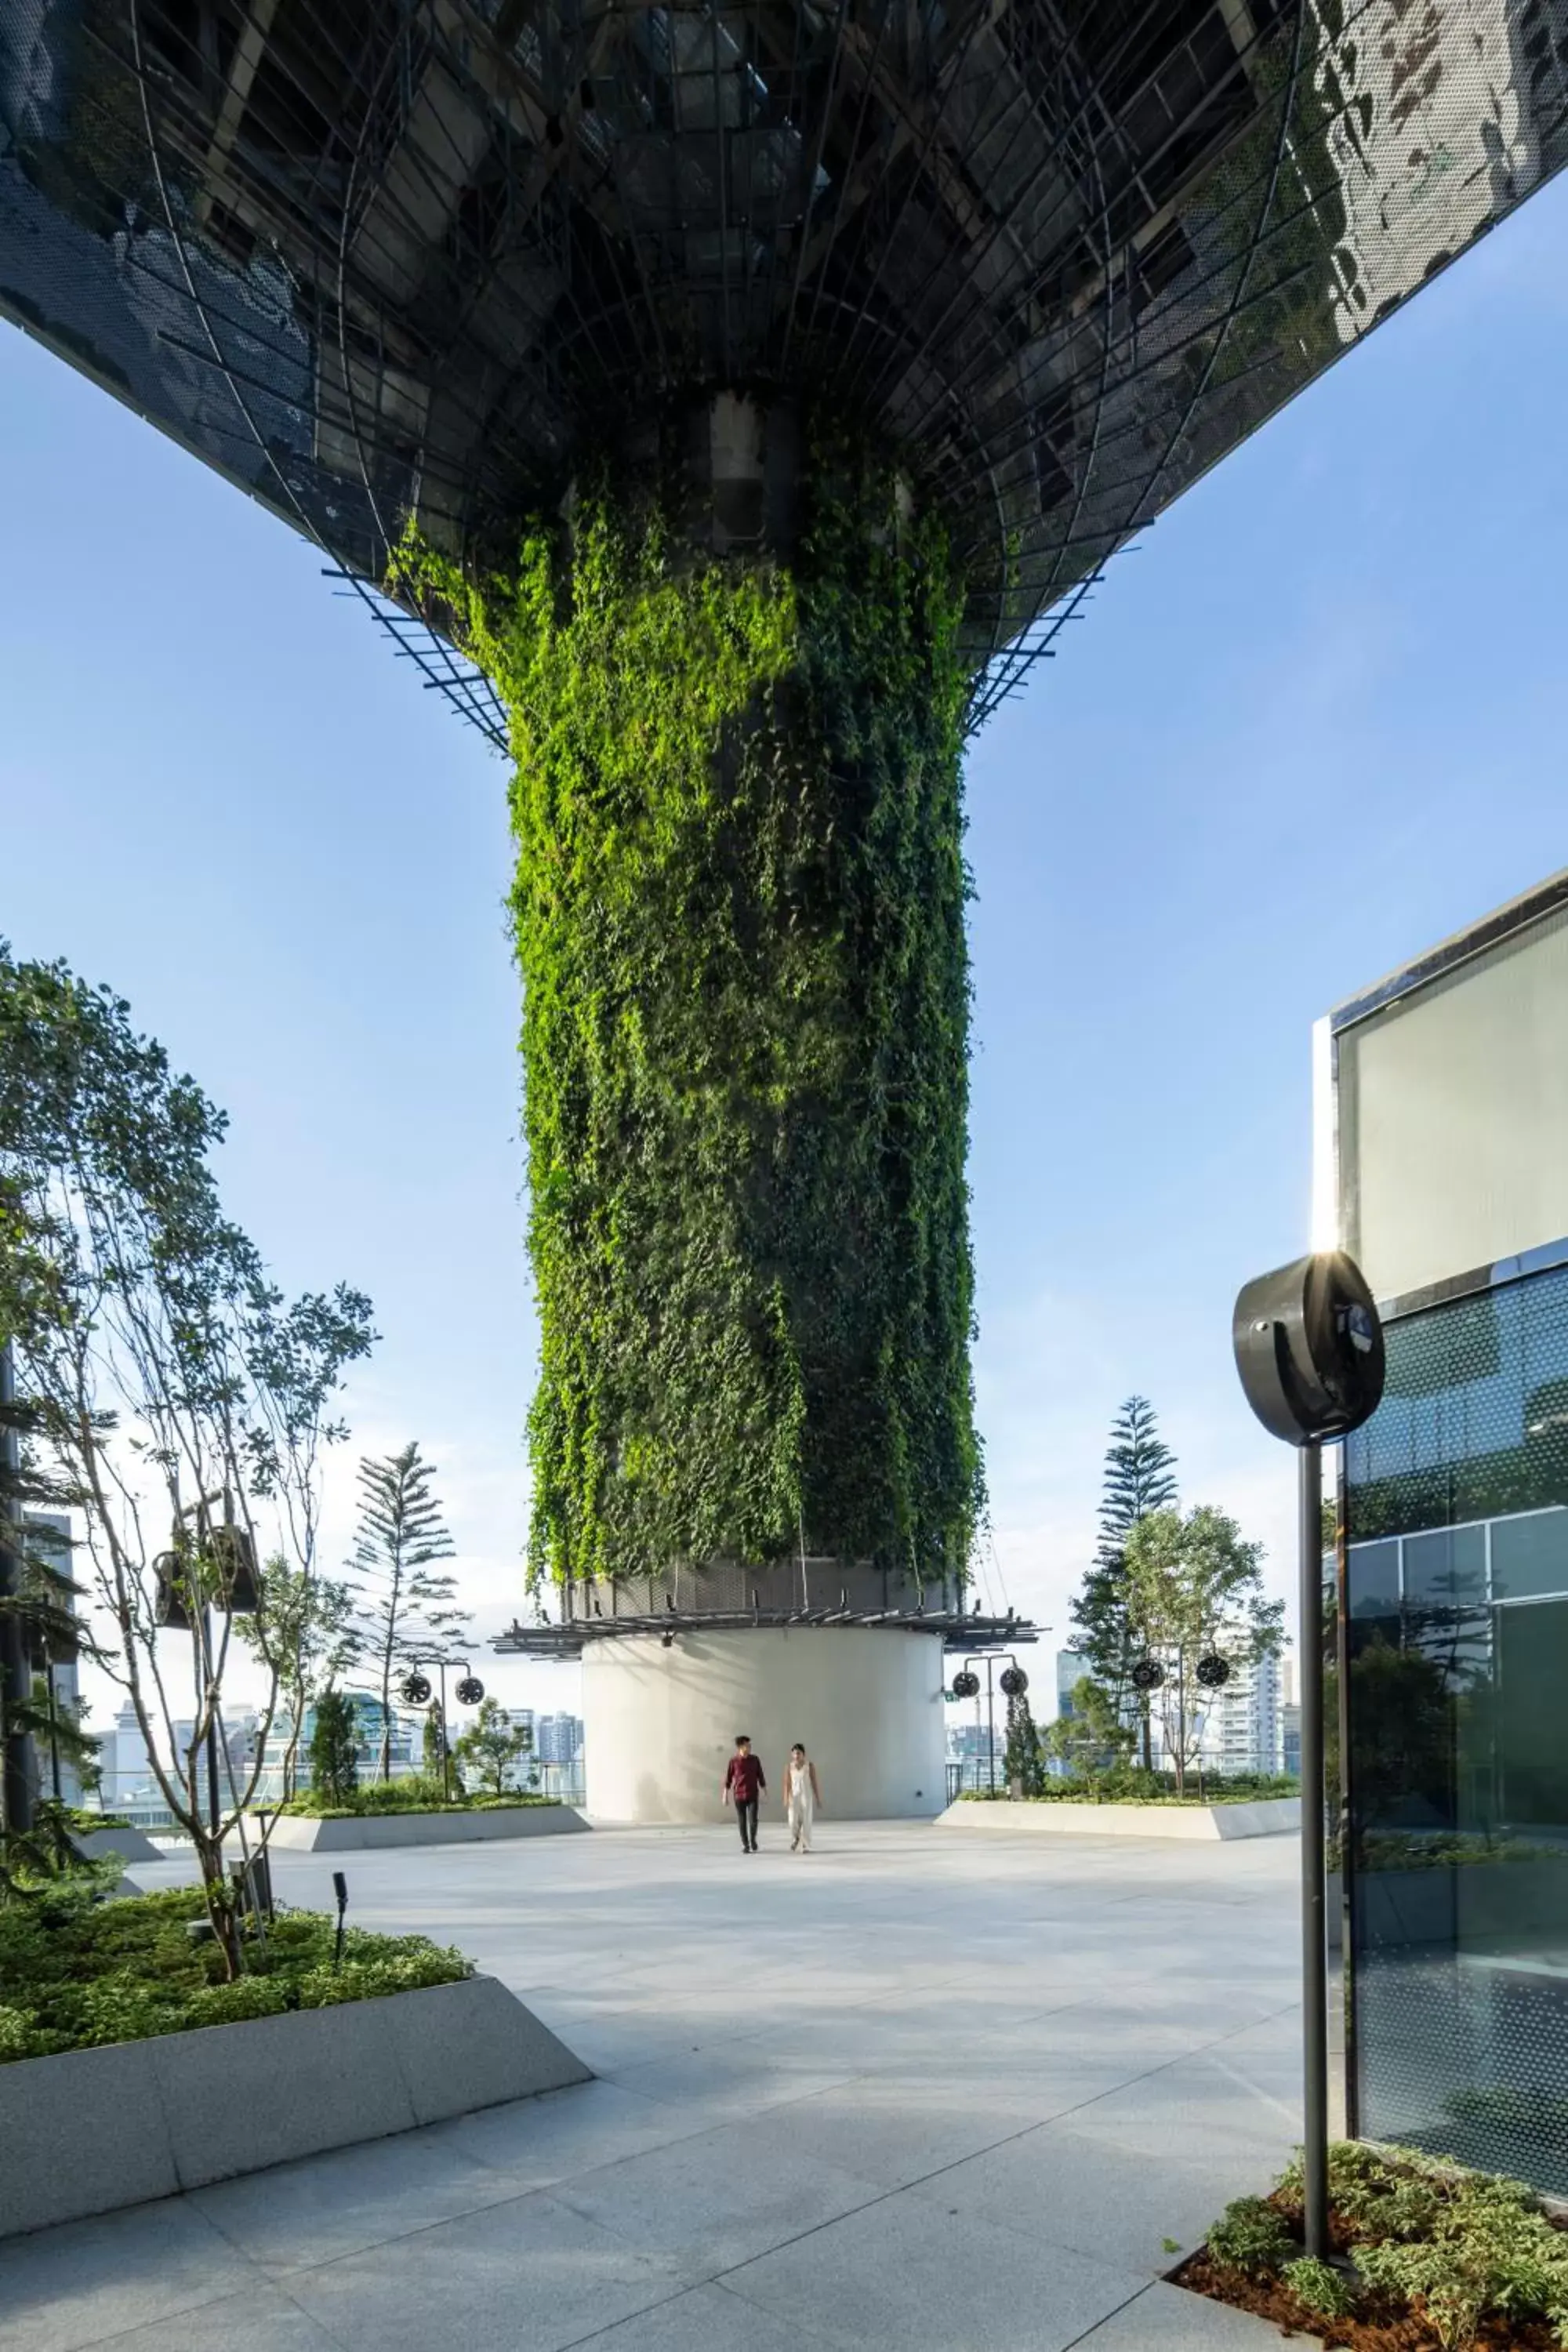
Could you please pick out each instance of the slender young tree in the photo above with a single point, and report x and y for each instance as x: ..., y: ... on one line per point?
x: 1194, y: 1587
x: 436, y: 1747
x: 1024, y: 1762
x: 492, y: 1745
x: 1140, y: 1477
x: 306, y: 1627
x: 334, y: 1748
x: 409, y: 1603
x: 170, y: 1393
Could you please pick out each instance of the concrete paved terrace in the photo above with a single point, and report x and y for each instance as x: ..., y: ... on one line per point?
x: 912, y: 2092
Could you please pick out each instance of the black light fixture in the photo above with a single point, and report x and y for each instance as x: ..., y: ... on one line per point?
x: 1013, y: 1682
x: 1214, y: 1671
x: 1147, y: 1674
x: 966, y: 1683
x: 416, y: 1689
x: 469, y: 1691
x: 1308, y: 1350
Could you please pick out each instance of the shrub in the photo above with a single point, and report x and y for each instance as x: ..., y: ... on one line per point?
x: 1463, y: 2246
x: 76, y: 1970
x: 418, y: 1792
x: 1491, y: 2248
x: 1129, y: 1784
x: 1250, y: 2237
x: 1319, y: 2286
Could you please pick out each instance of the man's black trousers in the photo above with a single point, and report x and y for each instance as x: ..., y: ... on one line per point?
x: 747, y: 1809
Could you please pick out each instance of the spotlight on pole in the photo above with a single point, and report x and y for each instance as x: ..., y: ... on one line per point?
x: 1309, y: 1349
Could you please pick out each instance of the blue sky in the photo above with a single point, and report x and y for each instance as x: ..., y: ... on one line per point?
x: 1310, y: 726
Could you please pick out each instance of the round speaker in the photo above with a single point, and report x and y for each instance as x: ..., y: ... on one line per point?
x: 1309, y: 1349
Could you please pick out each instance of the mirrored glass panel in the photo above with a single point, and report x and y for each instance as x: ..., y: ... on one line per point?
x: 1457, y: 1844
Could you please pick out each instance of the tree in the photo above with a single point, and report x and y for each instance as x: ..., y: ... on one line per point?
x: 410, y: 1603
x: 1095, y: 1736
x: 1023, y: 1762
x: 334, y: 1748
x: 434, y: 1747
x: 1140, y: 1477
x: 493, y: 1744
x: 162, y: 1375
x: 1195, y: 1588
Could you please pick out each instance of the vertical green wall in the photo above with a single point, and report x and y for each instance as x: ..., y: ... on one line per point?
x: 738, y: 912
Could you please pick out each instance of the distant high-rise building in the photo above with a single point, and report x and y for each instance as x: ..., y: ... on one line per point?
x: 128, y: 1771
x: 1072, y: 1668
x: 1290, y: 1741
x: 558, y: 1738
x: 49, y: 1535
x: 1241, y: 1725
x: 1289, y: 1718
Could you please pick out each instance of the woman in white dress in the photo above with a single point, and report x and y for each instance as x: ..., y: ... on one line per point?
x: 802, y: 1796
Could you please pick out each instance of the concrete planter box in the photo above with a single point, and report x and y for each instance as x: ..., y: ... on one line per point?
x: 1268, y: 1817
x: 94, y: 2129
x: 119, y: 1845
x: 296, y: 1833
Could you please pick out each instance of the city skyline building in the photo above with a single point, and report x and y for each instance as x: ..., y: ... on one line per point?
x: 51, y: 1535
x: 1241, y: 1730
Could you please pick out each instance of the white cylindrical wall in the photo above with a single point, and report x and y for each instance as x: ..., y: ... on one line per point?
x: 660, y: 1724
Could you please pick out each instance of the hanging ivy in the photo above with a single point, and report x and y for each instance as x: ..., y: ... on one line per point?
x: 739, y: 917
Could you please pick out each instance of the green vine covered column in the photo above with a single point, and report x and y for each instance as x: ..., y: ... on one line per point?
x: 738, y: 913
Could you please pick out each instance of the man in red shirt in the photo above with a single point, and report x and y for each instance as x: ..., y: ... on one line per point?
x: 745, y: 1781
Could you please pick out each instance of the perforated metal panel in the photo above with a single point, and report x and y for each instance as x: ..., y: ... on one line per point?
x: 1457, y: 1638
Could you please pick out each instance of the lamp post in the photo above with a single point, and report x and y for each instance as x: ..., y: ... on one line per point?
x: 416, y: 1692
x: 1308, y: 1350
x: 1015, y: 1681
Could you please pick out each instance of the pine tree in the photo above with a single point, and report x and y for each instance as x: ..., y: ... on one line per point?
x: 410, y: 1605
x: 434, y: 1748
x: 1140, y: 1477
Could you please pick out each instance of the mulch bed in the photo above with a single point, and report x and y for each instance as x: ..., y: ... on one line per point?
x: 1391, y: 2330
x: 1383, y: 2325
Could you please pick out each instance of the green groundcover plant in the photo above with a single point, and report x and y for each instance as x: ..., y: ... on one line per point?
x: 1424, y: 2239
x: 78, y: 1971
x: 419, y: 1793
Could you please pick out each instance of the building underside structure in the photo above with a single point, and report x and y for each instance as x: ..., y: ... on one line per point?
x: 726, y: 406
x: 371, y: 258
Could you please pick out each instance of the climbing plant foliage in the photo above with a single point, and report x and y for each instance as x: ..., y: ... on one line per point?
x: 739, y: 917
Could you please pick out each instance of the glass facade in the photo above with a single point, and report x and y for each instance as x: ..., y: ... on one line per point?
x: 1455, y: 1722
